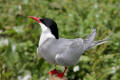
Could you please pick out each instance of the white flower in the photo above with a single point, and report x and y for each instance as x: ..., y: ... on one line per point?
x: 114, y: 69
x: 1, y: 31
x: 13, y: 47
x: 18, y: 29
x: 3, y: 42
x: 25, y: 1
x: 19, y: 78
x: 76, y: 68
x: 26, y: 77
x: 96, y: 6
x: 19, y: 7
x: 97, y: 15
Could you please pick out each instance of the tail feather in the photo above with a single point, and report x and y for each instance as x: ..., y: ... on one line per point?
x: 89, y: 39
x: 90, y: 43
x: 96, y: 43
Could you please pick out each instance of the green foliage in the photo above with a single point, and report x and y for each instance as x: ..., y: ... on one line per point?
x: 19, y: 37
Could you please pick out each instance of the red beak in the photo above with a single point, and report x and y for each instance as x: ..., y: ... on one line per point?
x: 34, y: 18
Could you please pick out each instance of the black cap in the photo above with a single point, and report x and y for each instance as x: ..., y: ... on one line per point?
x: 51, y: 25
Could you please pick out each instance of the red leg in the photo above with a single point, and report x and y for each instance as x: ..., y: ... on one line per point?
x: 60, y: 75
x: 53, y: 71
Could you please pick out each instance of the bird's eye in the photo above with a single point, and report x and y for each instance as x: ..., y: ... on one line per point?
x: 41, y: 20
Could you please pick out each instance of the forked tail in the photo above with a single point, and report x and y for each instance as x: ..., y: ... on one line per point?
x: 96, y: 43
x: 90, y: 43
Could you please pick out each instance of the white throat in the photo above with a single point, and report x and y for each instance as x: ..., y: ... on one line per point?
x: 46, y: 33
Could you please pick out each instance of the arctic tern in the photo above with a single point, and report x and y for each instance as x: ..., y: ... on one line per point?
x: 61, y: 51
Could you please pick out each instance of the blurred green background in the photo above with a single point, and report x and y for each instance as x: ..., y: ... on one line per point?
x: 19, y: 37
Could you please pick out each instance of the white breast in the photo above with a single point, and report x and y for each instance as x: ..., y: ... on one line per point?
x: 46, y: 33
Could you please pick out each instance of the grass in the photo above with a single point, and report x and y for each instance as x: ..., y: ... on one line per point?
x: 19, y: 37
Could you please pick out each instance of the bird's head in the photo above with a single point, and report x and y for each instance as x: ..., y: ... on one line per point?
x: 47, y: 25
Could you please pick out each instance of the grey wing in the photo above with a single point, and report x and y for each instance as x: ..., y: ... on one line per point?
x: 72, y: 53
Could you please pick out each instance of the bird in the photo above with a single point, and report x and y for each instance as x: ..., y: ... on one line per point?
x: 62, y: 51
